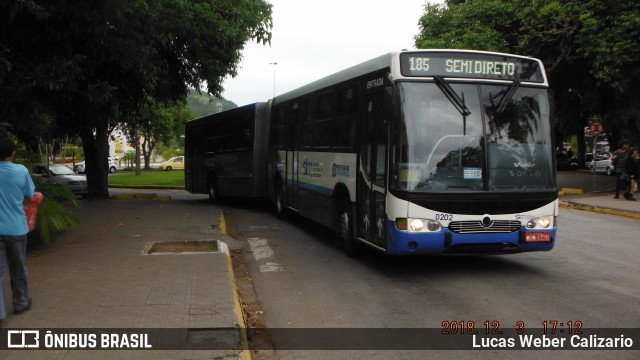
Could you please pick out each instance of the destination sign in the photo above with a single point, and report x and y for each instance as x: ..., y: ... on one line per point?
x: 484, y: 66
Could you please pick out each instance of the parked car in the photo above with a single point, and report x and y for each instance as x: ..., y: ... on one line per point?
x: 176, y: 162
x: 602, y: 164
x: 63, y: 175
x: 113, y: 165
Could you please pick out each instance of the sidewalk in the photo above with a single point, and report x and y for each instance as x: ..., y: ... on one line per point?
x: 602, y: 202
x: 99, y: 275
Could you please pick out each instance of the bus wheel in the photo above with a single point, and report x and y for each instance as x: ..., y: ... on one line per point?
x: 214, y: 196
x: 281, y: 210
x: 344, y: 229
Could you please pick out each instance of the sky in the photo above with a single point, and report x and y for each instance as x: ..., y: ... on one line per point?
x: 315, y: 38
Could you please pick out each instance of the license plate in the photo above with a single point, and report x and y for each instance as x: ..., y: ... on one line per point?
x: 538, y: 236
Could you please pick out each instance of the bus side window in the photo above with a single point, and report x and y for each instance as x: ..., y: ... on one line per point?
x: 325, y: 129
x: 279, y: 129
x: 346, y: 118
x: 307, y: 126
x: 294, y: 127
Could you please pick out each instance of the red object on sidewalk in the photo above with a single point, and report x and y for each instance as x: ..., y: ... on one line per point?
x: 31, y: 209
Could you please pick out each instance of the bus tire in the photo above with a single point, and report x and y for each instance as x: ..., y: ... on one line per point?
x: 214, y: 195
x: 344, y: 228
x: 280, y: 204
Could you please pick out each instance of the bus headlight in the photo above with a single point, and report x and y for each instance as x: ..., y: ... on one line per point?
x: 418, y: 225
x: 433, y: 225
x: 543, y: 222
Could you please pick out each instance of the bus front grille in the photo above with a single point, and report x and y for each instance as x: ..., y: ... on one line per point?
x: 475, y: 227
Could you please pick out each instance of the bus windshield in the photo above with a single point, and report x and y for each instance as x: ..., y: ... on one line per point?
x: 502, y: 143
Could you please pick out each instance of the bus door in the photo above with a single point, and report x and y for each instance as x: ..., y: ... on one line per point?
x: 292, y: 178
x: 292, y: 164
x: 371, y: 177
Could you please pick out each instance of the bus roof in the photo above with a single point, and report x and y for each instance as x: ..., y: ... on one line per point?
x: 391, y: 61
x: 369, y: 66
x: 220, y: 115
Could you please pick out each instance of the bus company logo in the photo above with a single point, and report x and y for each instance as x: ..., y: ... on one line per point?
x: 23, y: 339
x: 312, y: 169
x: 524, y: 164
x: 306, y: 168
x: 340, y: 170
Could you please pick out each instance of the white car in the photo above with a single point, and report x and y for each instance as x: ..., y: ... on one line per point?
x: 113, y: 165
x: 63, y: 175
x: 602, y: 164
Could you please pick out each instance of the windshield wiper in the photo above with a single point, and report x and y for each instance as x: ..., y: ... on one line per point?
x: 452, y: 96
x: 506, y: 99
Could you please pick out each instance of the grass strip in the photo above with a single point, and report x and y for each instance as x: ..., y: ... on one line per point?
x: 148, y: 177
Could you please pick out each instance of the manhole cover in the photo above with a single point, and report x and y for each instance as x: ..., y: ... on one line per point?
x: 183, y: 247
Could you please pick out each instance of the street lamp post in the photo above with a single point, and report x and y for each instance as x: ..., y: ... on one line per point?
x: 274, y: 77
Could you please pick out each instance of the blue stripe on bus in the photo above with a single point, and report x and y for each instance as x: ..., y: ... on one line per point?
x: 434, y: 242
x: 312, y: 187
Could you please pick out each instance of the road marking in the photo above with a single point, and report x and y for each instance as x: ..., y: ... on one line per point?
x: 263, y: 253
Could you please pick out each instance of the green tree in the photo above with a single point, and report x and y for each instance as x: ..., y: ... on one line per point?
x: 161, y: 122
x: 90, y: 64
x: 591, y: 50
x: 609, y: 41
x: 479, y: 25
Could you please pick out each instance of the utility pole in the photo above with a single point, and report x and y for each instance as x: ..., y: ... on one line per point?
x: 274, y: 77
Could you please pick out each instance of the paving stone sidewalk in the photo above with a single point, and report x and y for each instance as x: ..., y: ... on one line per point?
x: 98, y: 275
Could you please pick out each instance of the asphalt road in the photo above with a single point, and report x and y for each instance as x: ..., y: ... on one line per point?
x: 302, y: 281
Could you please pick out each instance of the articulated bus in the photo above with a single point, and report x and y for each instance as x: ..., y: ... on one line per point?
x: 424, y: 151
x: 226, y: 153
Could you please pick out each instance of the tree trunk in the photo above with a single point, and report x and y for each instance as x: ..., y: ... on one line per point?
x: 135, y: 139
x: 96, y: 152
x: 147, y: 150
x: 582, y: 147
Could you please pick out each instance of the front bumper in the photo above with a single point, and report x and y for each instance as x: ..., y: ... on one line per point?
x: 448, y: 242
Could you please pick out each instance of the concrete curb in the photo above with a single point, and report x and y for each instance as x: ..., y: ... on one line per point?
x: 565, y: 191
x: 149, y: 196
x: 601, y: 210
x: 147, y: 187
x: 243, y: 354
x: 568, y: 204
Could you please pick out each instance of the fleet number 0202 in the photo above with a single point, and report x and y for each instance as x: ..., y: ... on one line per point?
x: 419, y: 64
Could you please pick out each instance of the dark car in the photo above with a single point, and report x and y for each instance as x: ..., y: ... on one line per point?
x: 566, y: 162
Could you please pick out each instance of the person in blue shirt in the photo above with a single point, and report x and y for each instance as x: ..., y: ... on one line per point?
x: 15, y: 185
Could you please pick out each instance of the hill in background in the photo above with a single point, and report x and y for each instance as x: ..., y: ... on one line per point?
x: 204, y: 104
